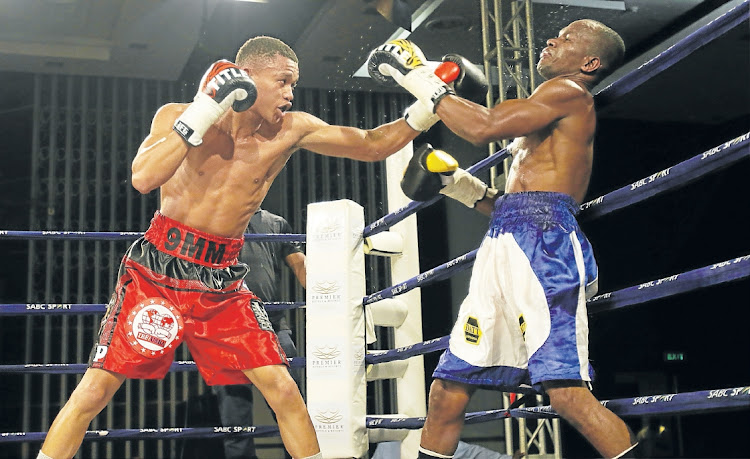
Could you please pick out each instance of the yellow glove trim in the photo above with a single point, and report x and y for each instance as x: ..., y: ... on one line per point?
x: 440, y: 162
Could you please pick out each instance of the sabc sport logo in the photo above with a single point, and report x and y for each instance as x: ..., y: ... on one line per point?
x: 154, y: 327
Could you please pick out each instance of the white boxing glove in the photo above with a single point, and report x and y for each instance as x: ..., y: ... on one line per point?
x: 402, y: 62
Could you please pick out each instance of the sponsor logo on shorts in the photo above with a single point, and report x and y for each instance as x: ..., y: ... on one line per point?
x: 189, y: 245
x: 154, y: 327
x: 522, y: 326
x: 472, y: 332
x: 101, y: 351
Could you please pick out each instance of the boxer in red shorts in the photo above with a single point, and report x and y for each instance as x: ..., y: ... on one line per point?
x: 213, y: 161
x: 177, y: 283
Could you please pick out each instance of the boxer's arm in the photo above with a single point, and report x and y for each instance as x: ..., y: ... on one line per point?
x: 161, y: 153
x: 487, y: 204
x: 296, y: 262
x: 350, y: 142
x: 552, y: 101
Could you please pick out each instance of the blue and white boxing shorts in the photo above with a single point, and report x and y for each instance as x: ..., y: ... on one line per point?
x: 524, y: 320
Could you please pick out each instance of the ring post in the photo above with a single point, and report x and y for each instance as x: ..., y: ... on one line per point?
x: 410, y: 389
x: 335, y: 324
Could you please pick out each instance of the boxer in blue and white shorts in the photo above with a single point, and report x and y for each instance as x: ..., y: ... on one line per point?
x: 524, y: 319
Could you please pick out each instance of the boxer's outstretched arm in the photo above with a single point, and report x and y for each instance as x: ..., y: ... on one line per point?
x: 160, y: 153
x: 552, y: 101
x: 350, y: 142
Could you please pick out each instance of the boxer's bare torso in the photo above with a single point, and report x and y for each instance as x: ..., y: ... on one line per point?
x: 217, y: 186
x: 557, y: 157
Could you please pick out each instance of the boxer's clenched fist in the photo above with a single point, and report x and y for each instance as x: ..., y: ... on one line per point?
x: 223, y: 85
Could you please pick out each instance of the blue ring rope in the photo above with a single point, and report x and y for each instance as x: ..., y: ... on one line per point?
x: 17, y: 309
x: 129, y: 235
x: 669, y: 179
x: 716, y: 400
x: 674, y: 54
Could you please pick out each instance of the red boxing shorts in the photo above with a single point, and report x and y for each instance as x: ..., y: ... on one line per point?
x: 175, y: 284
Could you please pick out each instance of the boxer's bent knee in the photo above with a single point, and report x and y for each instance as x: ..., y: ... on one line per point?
x: 96, y: 389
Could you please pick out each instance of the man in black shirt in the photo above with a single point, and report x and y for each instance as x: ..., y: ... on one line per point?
x: 265, y: 260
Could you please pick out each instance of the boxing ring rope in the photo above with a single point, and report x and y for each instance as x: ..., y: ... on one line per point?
x: 15, y: 309
x: 386, y: 222
x: 715, y: 400
x: 129, y: 235
x: 675, y: 53
x: 680, y: 174
x: 668, y: 179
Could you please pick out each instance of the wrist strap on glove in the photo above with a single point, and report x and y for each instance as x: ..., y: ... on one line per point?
x: 465, y: 188
x: 197, y: 118
x: 419, y: 117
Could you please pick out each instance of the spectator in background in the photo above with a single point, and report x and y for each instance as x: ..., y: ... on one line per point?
x: 265, y: 260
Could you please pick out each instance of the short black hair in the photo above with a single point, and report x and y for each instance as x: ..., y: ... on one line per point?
x: 262, y: 48
x: 607, y: 45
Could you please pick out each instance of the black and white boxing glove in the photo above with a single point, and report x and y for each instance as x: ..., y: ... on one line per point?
x: 424, y: 175
x: 223, y: 85
x: 431, y: 171
x: 402, y: 62
x: 467, y: 79
x: 418, y: 115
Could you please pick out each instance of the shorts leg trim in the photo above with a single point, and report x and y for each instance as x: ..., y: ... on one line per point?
x: 509, y: 379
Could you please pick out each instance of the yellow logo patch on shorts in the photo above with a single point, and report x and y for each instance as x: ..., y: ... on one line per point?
x: 522, y: 325
x: 472, y: 332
